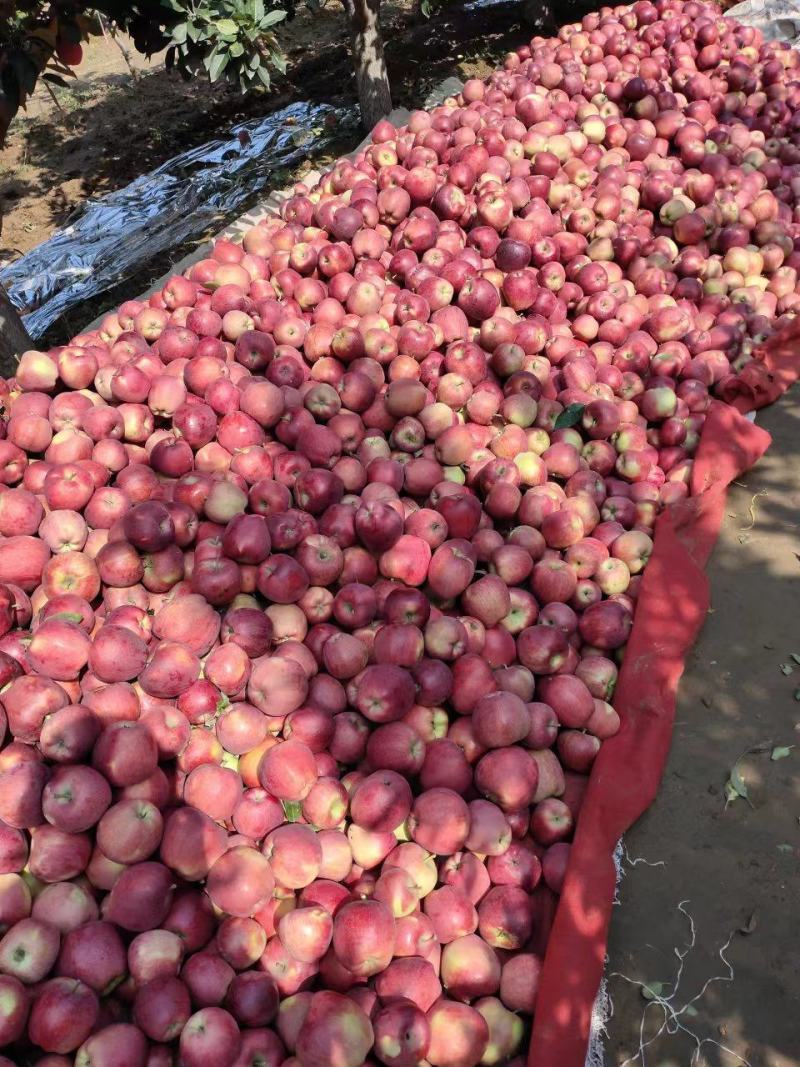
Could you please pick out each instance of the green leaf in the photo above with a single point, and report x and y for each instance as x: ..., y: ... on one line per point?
x: 237, y: 49
x: 56, y: 79
x: 216, y: 65
x: 781, y: 752
x: 278, y: 61
x: 797, y: 694
x: 570, y: 416
x: 690, y: 1010
x: 258, y: 10
x: 786, y: 668
x: 180, y: 32
x: 271, y: 19
x: 652, y: 990
x: 227, y: 27
x: 795, y: 656
x: 263, y: 74
x: 784, y: 848
x: 292, y: 809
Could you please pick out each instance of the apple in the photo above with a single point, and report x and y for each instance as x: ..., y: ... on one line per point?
x: 64, y: 905
x: 210, y: 1035
x: 363, y: 937
x: 551, y: 821
x: 240, y: 881
x: 295, y: 855
x: 62, y: 1015
x: 335, y: 1033
x: 439, y: 821
x: 114, y: 1044
x: 459, y: 1035
x: 401, y: 1034
x: 140, y: 898
x: 162, y: 1007
x: 519, y: 982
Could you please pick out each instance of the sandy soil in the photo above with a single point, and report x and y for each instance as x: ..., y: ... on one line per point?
x: 737, y: 869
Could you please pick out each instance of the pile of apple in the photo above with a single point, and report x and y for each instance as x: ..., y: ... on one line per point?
x: 317, y: 568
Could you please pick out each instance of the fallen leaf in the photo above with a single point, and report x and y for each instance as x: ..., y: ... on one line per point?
x: 786, y: 668
x: 749, y: 926
x: 652, y: 990
x: 730, y: 793
x: 738, y: 782
x: 784, y: 848
x: 781, y: 752
x: 795, y: 656
x: 690, y: 1010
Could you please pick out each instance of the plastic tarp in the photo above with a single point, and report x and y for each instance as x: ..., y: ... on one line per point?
x: 109, y: 238
x: 778, y: 20
x: 672, y: 606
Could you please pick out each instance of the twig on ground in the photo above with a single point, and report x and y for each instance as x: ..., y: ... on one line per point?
x: 752, y: 510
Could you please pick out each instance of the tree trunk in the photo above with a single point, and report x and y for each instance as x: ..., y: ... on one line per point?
x: 14, y: 339
x: 374, y: 94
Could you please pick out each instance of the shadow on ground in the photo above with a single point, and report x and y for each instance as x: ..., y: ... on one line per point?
x: 119, y: 131
x: 738, y: 869
x: 109, y: 131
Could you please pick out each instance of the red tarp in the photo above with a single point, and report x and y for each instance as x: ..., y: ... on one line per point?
x: 672, y: 606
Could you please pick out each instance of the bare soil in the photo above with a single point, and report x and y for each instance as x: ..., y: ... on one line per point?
x: 737, y: 868
x: 116, y: 123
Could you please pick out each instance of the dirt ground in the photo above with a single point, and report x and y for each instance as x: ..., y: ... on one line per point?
x: 738, y: 870
x: 111, y: 126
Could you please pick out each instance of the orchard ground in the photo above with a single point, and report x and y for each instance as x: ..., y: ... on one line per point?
x: 113, y: 125
x: 737, y: 868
